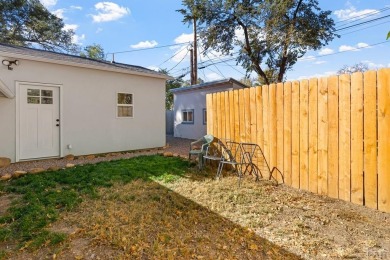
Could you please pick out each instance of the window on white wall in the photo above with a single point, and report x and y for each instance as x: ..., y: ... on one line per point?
x: 204, y: 116
x: 125, y: 106
x: 188, y: 116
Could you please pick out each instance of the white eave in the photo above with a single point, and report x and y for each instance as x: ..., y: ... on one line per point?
x: 76, y: 64
x: 5, y: 90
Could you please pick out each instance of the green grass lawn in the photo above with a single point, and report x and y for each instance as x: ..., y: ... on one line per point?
x: 42, y: 197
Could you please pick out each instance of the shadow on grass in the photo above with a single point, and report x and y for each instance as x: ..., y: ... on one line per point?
x: 116, y: 204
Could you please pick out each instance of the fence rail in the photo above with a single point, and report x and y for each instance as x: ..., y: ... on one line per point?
x: 330, y: 136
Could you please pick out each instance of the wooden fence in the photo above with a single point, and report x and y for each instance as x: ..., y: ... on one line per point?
x: 330, y: 136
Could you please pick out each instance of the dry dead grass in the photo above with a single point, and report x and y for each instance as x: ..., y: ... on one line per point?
x: 145, y: 220
x: 197, y: 217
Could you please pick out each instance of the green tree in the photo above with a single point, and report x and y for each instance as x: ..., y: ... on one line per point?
x: 170, y: 84
x: 358, y: 67
x: 388, y: 35
x: 94, y: 51
x: 29, y: 23
x: 274, y: 33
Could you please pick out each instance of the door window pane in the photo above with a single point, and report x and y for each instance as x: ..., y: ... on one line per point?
x: 47, y: 100
x: 46, y: 93
x: 125, y: 99
x: 33, y: 92
x: 32, y: 100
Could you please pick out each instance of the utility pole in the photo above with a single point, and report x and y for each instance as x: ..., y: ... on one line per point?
x: 193, y: 81
x: 195, y: 53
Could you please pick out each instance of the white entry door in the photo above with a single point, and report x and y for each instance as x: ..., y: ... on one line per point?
x: 39, y: 128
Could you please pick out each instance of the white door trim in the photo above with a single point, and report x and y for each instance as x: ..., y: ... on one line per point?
x: 17, y: 121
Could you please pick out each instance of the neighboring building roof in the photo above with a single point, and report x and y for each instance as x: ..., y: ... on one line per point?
x: 210, y: 84
x: 72, y: 60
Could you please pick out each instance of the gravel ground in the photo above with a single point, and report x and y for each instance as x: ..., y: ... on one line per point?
x: 174, y: 145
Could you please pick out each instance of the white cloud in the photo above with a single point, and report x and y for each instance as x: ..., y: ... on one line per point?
x: 109, y: 11
x: 76, y: 7
x: 319, y: 62
x: 363, y: 45
x: 373, y: 66
x: 49, y: 3
x: 71, y: 27
x: 213, y: 76
x: 347, y: 48
x: 184, y: 38
x: 307, y: 58
x: 77, y: 39
x: 98, y: 30
x: 59, y: 13
x: 318, y: 75
x: 352, y: 13
x: 145, y: 44
x: 325, y: 51
x: 357, y: 47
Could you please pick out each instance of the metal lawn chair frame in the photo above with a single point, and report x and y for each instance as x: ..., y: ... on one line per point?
x: 205, y: 142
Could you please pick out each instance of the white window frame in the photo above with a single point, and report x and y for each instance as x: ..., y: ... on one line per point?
x: 186, y: 111
x: 124, y: 105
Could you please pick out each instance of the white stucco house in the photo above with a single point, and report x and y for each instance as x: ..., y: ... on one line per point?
x: 189, y: 107
x: 55, y: 104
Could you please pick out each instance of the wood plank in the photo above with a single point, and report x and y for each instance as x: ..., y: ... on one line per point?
x: 227, y: 112
x: 345, y: 137
x: 223, y: 117
x: 209, y: 112
x: 384, y: 140
x: 295, y: 134
x: 265, y: 90
x: 313, y: 135
x: 323, y: 135
x: 242, y: 115
x: 357, y: 138
x: 259, y: 116
x: 215, y: 115
x: 272, y: 128
x: 279, y: 131
x: 236, y: 116
x: 253, y: 110
x: 304, y: 135
x: 287, y: 119
x: 333, y: 133
x: 219, y: 121
x: 370, y: 140
x: 247, y: 109
x: 260, y: 128
x: 231, y: 114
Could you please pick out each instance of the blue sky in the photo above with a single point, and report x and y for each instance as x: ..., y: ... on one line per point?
x: 128, y: 26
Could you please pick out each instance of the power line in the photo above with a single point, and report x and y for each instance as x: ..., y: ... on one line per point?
x: 363, y: 16
x: 365, y: 28
x: 172, y: 56
x: 339, y: 52
x: 358, y: 24
x: 150, y: 48
x: 179, y: 61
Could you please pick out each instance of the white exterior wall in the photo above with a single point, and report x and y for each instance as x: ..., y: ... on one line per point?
x: 88, y: 101
x: 194, y: 99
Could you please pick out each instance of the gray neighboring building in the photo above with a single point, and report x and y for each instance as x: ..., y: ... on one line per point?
x: 54, y: 104
x: 190, y: 106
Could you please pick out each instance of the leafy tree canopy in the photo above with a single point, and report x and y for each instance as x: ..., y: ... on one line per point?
x: 29, y: 23
x: 358, y: 67
x: 265, y: 33
x: 388, y: 35
x: 94, y: 51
